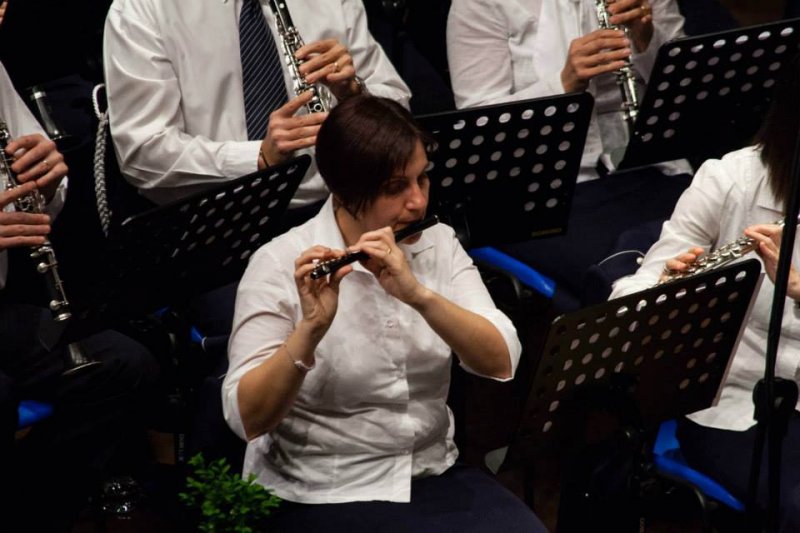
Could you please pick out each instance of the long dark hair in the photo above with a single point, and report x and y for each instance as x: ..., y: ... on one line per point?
x: 362, y: 143
x: 778, y: 133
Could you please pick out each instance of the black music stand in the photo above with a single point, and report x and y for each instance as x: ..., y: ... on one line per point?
x: 167, y: 254
x: 707, y: 95
x: 506, y: 173
x: 664, y: 350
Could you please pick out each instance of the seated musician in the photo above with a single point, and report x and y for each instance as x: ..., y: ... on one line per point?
x: 741, y: 194
x: 47, y: 478
x: 510, y: 50
x: 339, y: 384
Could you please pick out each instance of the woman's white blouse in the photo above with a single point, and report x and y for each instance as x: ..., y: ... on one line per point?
x: 725, y: 197
x: 371, y: 415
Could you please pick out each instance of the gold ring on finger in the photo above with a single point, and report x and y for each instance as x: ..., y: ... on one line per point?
x: 45, y: 163
x: 336, y: 66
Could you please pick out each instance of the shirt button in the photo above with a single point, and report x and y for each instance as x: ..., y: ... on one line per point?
x: 391, y: 323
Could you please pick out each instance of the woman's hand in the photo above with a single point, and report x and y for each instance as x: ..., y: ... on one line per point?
x: 318, y: 298
x: 388, y: 263
x: 680, y: 263
x: 769, y: 243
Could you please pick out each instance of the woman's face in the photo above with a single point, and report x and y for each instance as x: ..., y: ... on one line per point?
x: 402, y: 200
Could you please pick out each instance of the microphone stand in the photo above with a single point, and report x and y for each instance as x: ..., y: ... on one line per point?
x: 775, y: 398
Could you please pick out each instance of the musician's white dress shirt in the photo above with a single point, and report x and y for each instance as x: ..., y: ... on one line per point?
x: 174, y: 78
x: 21, y: 122
x: 371, y: 415
x: 509, y: 50
x: 725, y: 197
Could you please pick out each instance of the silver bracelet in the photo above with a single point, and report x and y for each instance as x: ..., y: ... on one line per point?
x: 300, y: 365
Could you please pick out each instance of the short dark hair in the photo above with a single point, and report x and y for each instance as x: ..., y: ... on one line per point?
x: 362, y: 143
x: 778, y: 133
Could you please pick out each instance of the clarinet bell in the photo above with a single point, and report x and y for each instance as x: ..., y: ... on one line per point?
x: 43, y: 112
x: 76, y: 360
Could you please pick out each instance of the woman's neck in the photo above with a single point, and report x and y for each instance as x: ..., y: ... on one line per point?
x: 349, y: 225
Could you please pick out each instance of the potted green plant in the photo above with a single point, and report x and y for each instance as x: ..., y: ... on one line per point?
x: 223, y: 501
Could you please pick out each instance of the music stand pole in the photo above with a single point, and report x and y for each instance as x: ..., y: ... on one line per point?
x: 775, y: 398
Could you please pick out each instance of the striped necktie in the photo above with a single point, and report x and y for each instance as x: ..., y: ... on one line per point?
x: 262, y: 74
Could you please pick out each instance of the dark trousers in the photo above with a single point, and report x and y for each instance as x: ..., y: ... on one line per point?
x: 462, y: 499
x: 601, y: 210
x: 47, y: 476
x: 725, y: 456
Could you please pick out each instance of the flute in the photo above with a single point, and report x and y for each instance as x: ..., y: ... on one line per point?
x: 332, y: 265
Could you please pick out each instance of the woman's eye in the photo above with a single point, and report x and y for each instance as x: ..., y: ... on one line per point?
x: 395, y: 187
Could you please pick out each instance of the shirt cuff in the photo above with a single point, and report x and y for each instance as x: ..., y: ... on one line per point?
x: 240, y: 158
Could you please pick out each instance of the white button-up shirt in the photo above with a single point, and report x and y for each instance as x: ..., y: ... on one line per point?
x: 371, y: 415
x: 174, y: 78
x: 508, y: 50
x: 21, y: 122
x: 725, y: 197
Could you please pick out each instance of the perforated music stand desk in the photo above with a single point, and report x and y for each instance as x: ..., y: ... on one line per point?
x: 506, y: 173
x: 672, y: 342
x: 169, y: 253
x: 707, y: 94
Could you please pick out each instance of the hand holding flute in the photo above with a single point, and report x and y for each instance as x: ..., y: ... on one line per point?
x: 319, y: 271
x: 328, y: 267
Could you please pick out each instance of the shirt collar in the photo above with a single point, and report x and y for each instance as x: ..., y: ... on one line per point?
x: 327, y: 233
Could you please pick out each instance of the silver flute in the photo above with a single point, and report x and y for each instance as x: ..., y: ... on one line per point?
x: 718, y: 258
x: 291, y: 42
x: 626, y: 79
x: 43, y: 254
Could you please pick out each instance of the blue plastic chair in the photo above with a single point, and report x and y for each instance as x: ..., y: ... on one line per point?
x: 30, y: 412
x: 515, y: 268
x: 670, y: 463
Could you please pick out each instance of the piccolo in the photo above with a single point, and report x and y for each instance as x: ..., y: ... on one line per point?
x: 332, y: 265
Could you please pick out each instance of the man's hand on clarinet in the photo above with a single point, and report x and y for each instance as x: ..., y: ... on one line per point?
x: 287, y: 133
x: 597, y: 53
x: 37, y: 160
x: 21, y: 229
x: 329, y: 62
x: 637, y: 16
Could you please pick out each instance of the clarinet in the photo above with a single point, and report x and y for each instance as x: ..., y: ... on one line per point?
x: 291, y: 42
x: 718, y: 258
x: 43, y: 254
x: 75, y: 359
x: 626, y: 80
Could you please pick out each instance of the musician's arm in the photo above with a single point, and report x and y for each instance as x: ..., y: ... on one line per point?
x: 145, y: 110
x: 483, y: 338
x: 695, y: 222
x: 262, y: 383
x: 480, y: 57
x: 371, y: 63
